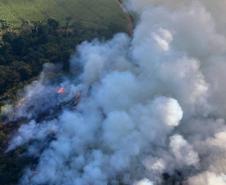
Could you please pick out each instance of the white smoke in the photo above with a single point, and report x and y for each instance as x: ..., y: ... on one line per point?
x: 152, y: 108
x: 144, y: 182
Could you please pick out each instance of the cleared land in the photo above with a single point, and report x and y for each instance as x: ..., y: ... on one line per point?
x: 90, y: 13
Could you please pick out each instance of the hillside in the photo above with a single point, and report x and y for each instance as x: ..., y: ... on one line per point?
x: 73, y: 21
x: 93, y: 13
x: 37, y: 32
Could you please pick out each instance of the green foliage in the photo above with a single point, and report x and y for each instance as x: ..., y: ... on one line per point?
x: 11, y: 164
x: 89, y: 13
x: 3, y: 25
x: 35, y: 32
x: 22, y: 54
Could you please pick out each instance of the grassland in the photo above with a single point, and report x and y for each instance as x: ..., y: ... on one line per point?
x: 89, y: 13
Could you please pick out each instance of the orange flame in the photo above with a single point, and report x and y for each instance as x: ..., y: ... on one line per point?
x: 61, y: 90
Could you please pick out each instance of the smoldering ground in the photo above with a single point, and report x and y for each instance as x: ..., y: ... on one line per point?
x: 151, y: 109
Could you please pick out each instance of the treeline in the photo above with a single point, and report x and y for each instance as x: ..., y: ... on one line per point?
x: 22, y: 54
x: 24, y: 51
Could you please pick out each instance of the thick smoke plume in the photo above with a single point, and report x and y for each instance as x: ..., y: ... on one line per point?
x: 146, y: 110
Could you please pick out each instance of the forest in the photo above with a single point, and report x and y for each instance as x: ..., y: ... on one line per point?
x: 23, y: 52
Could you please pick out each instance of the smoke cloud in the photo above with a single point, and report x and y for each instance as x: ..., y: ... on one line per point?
x: 146, y: 110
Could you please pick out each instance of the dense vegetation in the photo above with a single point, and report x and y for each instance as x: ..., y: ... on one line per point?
x: 35, y: 32
x: 22, y: 54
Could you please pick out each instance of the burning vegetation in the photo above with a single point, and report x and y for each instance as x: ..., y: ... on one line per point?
x: 145, y: 109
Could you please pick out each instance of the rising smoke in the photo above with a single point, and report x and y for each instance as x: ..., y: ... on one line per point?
x: 151, y: 110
